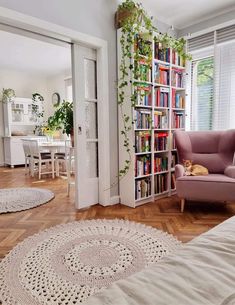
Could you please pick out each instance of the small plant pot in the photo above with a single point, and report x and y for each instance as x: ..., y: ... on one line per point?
x: 121, y: 15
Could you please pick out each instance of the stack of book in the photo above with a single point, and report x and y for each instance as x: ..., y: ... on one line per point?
x: 160, y: 141
x: 177, y: 78
x: 177, y: 59
x: 161, y: 53
x: 161, y: 74
x: 177, y: 119
x: 162, y: 97
x: 160, y: 183
x: 178, y: 101
x: 160, y: 120
x: 143, y: 72
x: 142, y: 166
x: 142, y: 142
x: 142, y: 119
x: 144, y: 96
x: 142, y: 188
x: 160, y: 164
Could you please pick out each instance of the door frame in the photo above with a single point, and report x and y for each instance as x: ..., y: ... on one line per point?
x: 14, y: 21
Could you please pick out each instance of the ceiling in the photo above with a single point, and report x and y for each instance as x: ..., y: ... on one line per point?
x: 26, y: 54
x: 183, y: 13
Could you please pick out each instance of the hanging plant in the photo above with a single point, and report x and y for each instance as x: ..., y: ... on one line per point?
x: 8, y: 95
x: 137, y: 31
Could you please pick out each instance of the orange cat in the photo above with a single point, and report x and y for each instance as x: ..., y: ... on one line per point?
x: 194, y: 169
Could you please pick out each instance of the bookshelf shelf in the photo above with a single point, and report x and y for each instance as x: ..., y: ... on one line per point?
x: 162, y: 172
x: 160, y: 85
x: 143, y: 198
x: 178, y: 67
x: 155, y: 118
x: 143, y: 153
x: 165, y: 63
x: 160, y: 151
x: 143, y: 176
x: 178, y: 88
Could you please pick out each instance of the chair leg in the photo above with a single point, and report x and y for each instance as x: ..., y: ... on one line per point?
x: 182, y: 203
x: 39, y: 170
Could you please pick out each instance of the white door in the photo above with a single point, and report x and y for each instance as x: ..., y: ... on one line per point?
x: 86, y: 126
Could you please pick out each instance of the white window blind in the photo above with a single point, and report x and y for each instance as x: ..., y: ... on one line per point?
x: 201, y: 42
x: 202, y: 94
x: 224, y: 98
x: 213, y: 80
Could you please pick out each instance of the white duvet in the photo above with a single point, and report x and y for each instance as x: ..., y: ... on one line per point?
x: 201, y: 273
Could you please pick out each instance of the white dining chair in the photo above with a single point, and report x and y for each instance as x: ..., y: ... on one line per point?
x: 38, y: 158
x: 27, y: 155
x: 64, y: 163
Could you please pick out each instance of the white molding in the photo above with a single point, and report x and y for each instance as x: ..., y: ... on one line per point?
x: 36, y: 26
x: 113, y: 200
x: 210, y: 29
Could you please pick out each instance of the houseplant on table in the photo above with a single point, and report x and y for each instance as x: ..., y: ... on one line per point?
x: 62, y: 119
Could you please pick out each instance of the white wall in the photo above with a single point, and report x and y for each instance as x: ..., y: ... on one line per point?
x: 94, y: 17
x: 25, y: 84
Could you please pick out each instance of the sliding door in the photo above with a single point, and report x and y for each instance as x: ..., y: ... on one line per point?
x: 86, y: 125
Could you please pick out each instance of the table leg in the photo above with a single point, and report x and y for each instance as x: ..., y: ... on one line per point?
x: 53, y: 164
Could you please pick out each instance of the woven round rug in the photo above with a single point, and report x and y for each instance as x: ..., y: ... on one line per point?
x: 68, y: 263
x: 20, y: 199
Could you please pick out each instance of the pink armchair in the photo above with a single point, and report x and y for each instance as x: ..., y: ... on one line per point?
x: 214, y: 150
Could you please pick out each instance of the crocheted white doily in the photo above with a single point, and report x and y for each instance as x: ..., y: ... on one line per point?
x: 66, y: 264
x: 19, y: 199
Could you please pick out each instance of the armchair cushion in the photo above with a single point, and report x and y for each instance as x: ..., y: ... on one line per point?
x: 179, y: 171
x: 230, y: 171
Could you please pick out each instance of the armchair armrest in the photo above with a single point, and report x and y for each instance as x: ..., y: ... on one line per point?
x: 179, y: 171
x: 230, y: 171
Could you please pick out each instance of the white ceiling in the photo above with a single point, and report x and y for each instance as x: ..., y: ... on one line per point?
x: 183, y: 13
x: 26, y: 54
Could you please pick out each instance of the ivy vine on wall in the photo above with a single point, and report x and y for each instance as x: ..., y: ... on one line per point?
x: 137, y: 33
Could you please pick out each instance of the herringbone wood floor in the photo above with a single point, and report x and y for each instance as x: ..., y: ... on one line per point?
x: 163, y: 214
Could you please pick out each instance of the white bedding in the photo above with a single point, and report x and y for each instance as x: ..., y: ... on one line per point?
x: 201, y: 273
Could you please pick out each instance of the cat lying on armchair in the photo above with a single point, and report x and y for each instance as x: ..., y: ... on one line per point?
x: 194, y: 169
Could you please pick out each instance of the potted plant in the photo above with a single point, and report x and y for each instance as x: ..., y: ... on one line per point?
x: 8, y: 95
x: 62, y: 119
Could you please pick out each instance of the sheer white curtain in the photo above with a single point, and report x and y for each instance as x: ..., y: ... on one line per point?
x: 224, y: 95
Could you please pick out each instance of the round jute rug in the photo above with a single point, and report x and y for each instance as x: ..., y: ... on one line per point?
x: 19, y: 199
x: 66, y: 264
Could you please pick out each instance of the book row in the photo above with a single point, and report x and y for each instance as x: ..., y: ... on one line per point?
x: 177, y: 119
x: 142, y: 188
x: 178, y: 100
x: 160, y: 164
x: 161, y: 120
x: 177, y: 77
x: 161, y: 53
x: 142, y: 119
x: 143, y: 166
x: 160, y: 141
x: 177, y: 59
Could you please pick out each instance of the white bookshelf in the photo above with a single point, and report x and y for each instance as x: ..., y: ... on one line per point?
x: 128, y: 183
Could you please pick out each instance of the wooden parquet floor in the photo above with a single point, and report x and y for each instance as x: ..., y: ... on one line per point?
x: 163, y: 214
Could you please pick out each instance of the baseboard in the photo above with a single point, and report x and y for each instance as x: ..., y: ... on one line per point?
x: 114, y: 200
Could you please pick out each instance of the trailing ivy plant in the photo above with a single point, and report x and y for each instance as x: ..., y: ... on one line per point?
x: 137, y: 31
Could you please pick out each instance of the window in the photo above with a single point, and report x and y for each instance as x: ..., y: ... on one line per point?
x: 202, y: 104
x: 212, y: 82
